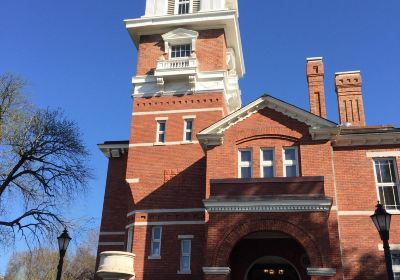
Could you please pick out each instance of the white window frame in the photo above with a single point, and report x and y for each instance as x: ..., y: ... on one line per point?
x: 290, y: 162
x: 153, y: 240
x: 397, y: 183
x: 246, y: 163
x: 264, y: 163
x: 129, y: 240
x: 181, y: 270
x: 159, y: 132
x: 396, y: 268
x: 177, y: 7
x: 186, y: 130
x: 184, y: 57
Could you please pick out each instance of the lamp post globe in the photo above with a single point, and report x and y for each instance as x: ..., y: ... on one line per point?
x: 63, y: 242
x: 381, y: 219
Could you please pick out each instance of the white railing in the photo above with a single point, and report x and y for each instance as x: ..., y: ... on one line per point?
x: 177, y: 64
x: 116, y: 265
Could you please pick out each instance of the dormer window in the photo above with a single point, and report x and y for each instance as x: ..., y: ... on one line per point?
x: 183, y: 7
x: 179, y: 51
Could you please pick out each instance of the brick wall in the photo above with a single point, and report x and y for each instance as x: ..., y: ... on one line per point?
x: 210, y: 51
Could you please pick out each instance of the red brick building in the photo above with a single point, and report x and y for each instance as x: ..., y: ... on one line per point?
x: 208, y: 189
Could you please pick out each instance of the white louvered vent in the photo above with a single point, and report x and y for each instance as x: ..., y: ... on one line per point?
x: 171, y: 7
x: 196, y: 6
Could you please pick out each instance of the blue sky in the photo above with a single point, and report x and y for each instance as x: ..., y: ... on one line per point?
x: 78, y: 56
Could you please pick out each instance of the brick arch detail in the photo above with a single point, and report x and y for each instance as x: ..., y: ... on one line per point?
x: 249, y: 138
x: 226, y: 245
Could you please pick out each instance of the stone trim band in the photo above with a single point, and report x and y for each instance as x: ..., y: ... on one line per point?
x: 321, y: 271
x: 216, y: 270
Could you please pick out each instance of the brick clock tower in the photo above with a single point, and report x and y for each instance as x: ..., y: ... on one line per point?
x: 205, y: 189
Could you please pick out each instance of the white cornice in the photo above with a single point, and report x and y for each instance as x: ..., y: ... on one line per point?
x: 113, y: 150
x: 366, y: 139
x: 196, y: 21
x: 268, y: 205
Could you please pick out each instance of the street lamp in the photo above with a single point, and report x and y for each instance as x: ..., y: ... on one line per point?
x: 63, y: 241
x: 381, y: 220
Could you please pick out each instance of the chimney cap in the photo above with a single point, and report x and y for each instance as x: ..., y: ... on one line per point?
x: 314, y: 58
x: 347, y: 72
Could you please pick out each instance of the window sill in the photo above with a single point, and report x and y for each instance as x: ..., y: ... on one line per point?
x: 393, y: 212
x: 184, y: 272
x: 159, y: 144
x: 154, y: 257
x: 187, y: 142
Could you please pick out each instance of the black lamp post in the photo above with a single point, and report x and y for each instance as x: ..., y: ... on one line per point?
x: 381, y: 219
x: 63, y: 241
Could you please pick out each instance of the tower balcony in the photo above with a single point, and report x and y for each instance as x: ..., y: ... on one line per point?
x: 186, y: 66
x: 116, y: 265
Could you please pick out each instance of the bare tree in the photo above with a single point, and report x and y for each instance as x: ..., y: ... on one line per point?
x: 42, y: 263
x: 43, y: 165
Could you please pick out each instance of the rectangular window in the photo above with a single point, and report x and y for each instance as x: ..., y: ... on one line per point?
x: 161, y: 126
x: 186, y: 249
x: 183, y: 7
x: 245, y: 164
x: 387, y: 182
x: 267, y: 163
x: 129, y: 240
x: 290, y: 162
x: 188, y: 130
x: 156, y: 241
x: 179, y: 51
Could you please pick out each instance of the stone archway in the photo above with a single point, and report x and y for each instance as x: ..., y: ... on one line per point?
x: 225, y: 246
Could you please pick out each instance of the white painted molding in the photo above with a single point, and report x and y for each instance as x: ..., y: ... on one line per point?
x: 112, y: 233
x: 268, y: 205
x: 162, y: 144
x: 161, y: 118
x: 189, y: 117
x: 393, y: 247
x: 133, y: 181
x: 111, y: 243
x: 216, y: 270
x: 314, y: 58
x: 185, y: 236
x: 347, y: 72
x: 178, y: 111
x: 152, y: 211
x: 317, y: 271
x: 166, y: 223
x: 385, y: 138
x: 383, y: 154
x: 355, y: 213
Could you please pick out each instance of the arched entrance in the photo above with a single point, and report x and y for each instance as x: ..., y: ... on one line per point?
x: 268, y: 255
x: 272, y: 268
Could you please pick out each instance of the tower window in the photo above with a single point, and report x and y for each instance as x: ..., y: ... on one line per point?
x: 161, y: 126
x: 188, y: 130
x: 186, y: 245
x: 290, y: 162
x: 245, y: 164
x: 386, y: 180
x: 156, y: 242
x: 183, y: 7
x: 178, y: 51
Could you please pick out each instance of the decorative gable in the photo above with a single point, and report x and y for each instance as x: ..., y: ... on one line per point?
x: 180, y: 36
x: 213, y: 135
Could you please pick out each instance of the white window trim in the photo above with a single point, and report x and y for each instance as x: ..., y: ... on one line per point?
x: 158, y: 132
x: 377, y: 185
x: 396, y: 268
x: 129, y: 240
x: 177, y: 7
x: 245, y: 165
x: 185, y: 130
x: 180, y: 58
x: 180, y: 36
x: 155, y: 240
x: 290, y: 162
x: 267, y: 163
x: 181, y: 271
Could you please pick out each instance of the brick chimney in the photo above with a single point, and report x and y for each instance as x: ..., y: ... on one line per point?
x: 348, y: 90
x: 316, y: 91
